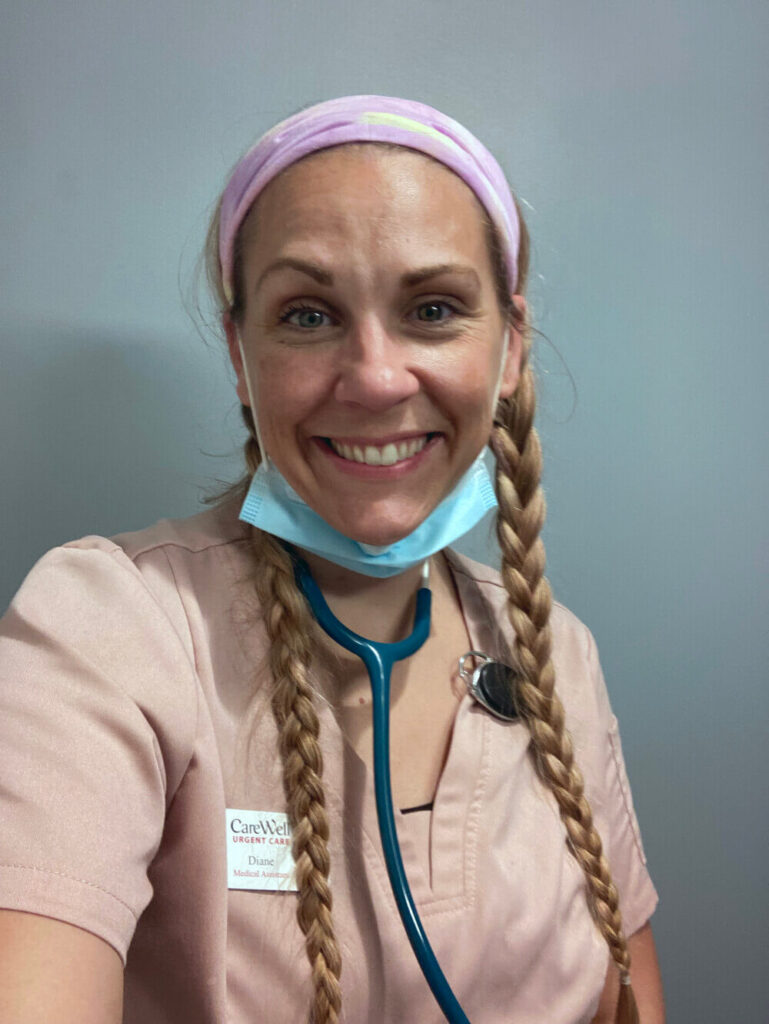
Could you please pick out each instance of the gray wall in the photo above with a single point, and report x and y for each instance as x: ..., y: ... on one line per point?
x: 636, y: 134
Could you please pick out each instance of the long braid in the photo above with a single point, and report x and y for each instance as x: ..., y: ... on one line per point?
x: 519, y: 523
x: 288, y: 622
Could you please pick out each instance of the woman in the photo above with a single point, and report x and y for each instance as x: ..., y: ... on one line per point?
x: 167, y: 694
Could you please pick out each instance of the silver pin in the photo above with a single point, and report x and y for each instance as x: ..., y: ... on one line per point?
x: 490, y: 683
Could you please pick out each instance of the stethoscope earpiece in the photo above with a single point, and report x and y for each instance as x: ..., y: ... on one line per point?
x: 491, y: 684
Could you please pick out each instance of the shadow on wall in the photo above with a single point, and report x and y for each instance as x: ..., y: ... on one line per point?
x: 105, y: 433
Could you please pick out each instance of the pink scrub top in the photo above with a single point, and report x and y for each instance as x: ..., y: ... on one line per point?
x: 132, y: 672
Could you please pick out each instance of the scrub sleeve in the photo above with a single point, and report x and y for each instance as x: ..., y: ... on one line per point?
x: 94, y: 741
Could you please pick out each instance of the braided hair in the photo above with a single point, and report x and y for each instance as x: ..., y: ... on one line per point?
x: 520, y: 519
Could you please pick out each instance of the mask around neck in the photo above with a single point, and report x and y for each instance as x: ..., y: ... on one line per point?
x: 274, y: 506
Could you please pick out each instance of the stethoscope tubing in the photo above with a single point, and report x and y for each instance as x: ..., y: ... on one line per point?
x: 379, y: 659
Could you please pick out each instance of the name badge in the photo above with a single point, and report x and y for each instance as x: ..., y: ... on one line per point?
x: 259, y: 851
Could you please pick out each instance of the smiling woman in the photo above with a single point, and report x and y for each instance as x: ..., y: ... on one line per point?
x: 382, y: 237
x: 370, y: 264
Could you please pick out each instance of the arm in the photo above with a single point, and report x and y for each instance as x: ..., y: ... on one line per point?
x: 88, y: 758
x: 55, y: 972
x: 647, y: 983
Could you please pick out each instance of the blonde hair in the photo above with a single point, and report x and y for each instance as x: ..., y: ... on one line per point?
x: 288, y: 621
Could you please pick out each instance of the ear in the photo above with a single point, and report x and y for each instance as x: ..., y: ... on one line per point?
x: 236, y: 358
x: 511, y: 372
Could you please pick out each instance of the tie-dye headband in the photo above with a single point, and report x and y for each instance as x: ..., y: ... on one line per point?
x: 368, y: 119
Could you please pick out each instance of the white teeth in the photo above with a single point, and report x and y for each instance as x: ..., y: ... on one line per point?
x: 387, y: 455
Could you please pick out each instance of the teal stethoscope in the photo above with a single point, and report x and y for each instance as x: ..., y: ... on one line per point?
x: 489, y: 684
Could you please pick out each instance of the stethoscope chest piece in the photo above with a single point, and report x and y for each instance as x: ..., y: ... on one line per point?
x: 490, y: 683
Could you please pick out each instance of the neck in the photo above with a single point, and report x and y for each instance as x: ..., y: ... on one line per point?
x: 380, y: 609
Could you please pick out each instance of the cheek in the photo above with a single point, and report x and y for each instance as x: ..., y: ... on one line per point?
x: 469, y: 384
x: 288, y: 388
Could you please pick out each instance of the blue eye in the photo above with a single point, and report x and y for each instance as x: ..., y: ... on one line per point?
x: 435, y: 306
x: 311, y: 318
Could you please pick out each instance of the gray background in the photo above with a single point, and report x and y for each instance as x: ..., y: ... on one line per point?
x: 636, y: 135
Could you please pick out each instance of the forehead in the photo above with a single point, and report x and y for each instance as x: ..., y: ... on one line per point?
x: 380, y: 198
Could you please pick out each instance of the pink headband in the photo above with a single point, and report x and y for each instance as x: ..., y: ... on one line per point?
x: 368, y: 119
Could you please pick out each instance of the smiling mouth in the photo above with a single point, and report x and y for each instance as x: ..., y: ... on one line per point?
x: 380, y: 455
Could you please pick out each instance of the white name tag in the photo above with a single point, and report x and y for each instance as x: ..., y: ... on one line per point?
x: 259, y: 850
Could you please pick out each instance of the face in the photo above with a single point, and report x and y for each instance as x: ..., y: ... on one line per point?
x: 372, y: 336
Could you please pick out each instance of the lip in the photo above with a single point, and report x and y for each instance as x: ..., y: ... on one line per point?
x: 389, y: 473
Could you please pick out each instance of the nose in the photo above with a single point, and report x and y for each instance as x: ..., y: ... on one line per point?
x: 375, y: 369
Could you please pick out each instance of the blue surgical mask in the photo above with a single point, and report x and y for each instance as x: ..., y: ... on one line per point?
x: 275, y: 507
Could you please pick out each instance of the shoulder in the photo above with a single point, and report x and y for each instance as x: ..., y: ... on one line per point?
x: 109, y: 615
x: 213, y: 528
x: 218, y: 527
x: 152, y: 560
x: 579, y: 681
x: 570, y: 634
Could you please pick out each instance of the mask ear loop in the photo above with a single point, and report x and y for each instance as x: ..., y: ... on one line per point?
x: 498, y: 388
x: 262, y: 452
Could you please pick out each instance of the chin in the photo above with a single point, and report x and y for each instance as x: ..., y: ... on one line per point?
x: 385, y: 522
x: 377, y: 533
x: 378, y: 538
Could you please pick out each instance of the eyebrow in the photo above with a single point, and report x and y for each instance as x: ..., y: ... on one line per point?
x: 322, y: 276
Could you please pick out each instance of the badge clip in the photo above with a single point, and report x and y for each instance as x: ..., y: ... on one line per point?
x: 491, y: 684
